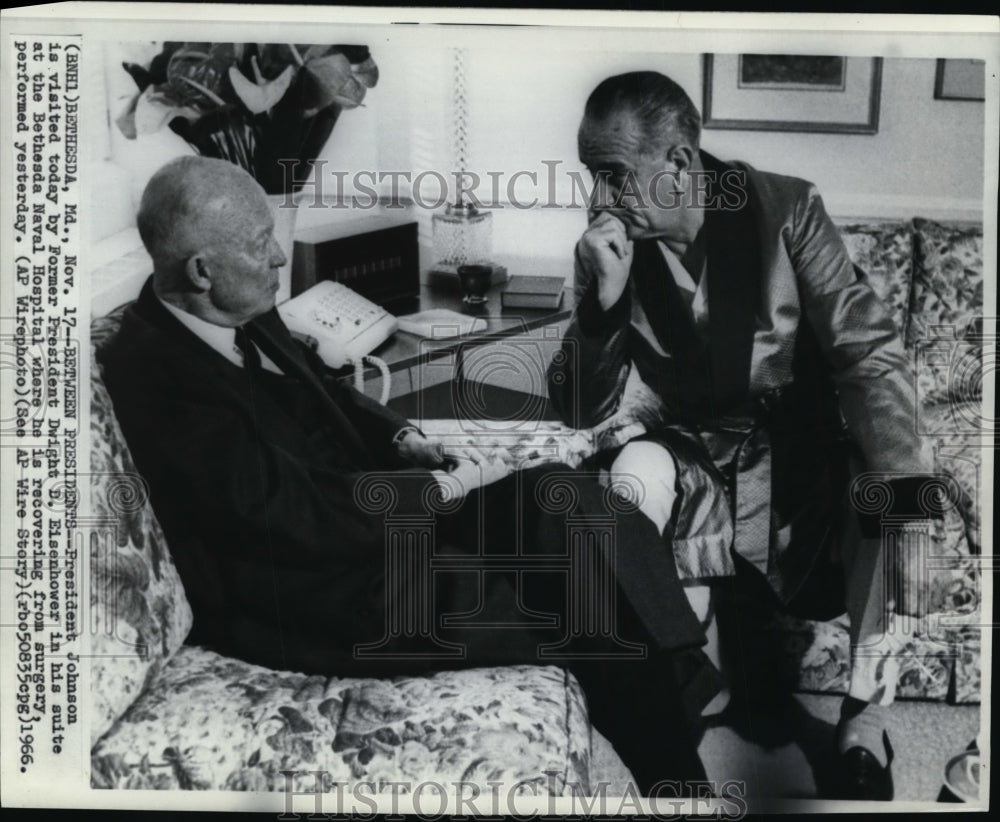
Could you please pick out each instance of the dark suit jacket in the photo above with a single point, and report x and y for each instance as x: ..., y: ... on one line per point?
x: 280, y: 562
x: 790, y: 318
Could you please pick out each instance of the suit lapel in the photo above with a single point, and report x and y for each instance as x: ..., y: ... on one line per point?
x: 734, y: 281
x: 672, y: 324
x: 659, y: 296
x: 268, y: 332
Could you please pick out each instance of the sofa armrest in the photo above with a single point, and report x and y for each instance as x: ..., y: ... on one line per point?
x: 141, y: 614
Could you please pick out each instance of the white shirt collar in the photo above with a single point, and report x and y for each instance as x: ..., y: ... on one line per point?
x: 218, y: 337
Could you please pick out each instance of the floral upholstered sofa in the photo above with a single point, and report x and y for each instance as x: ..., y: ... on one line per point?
x: 931, y: 276
x: 168, y: 715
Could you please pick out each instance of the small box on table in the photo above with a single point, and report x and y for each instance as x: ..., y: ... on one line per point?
x: 376, y: 256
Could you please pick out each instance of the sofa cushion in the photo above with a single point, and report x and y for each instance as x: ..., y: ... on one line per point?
x: 948, y: 367
x: 215, y: 723
x: 817, y: 659
x: 884, y: 251
x: 136, y: 596
x: 946, y: 312
x: 968, y: 641
x: 958, y: 451
x: 947, y: 278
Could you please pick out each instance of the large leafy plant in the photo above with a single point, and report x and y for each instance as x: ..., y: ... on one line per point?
x: 250, y: 103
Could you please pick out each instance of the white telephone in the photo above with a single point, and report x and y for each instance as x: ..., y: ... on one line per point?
x: 342, y: 325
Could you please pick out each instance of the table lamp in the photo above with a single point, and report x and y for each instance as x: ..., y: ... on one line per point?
x: 463, y: 235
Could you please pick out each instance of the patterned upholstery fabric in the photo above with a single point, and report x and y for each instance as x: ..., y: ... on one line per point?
x: 817, y: 653
x: 214, y: 723
x: 945, y: 310
x: 947, y: 278
x: 102, y: 329
x: 956, y: 429
x: 817, y: 658
x: 136, y: 596
x: 884, y: 251
x: 947, y: 346
x: 948, y: 368
x: 968, y: 668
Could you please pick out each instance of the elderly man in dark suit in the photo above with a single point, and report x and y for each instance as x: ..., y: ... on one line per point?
x: 255, y: 456
x: 776, y: 369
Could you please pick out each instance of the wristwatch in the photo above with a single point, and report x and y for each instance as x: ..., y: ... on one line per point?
x: 402, y: 432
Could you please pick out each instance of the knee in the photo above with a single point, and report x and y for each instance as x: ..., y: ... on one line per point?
x: 653, y: 468
x: 651, y: 463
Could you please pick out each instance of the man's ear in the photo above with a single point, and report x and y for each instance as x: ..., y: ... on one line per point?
x: 681, y: 156
x: 196, y: 270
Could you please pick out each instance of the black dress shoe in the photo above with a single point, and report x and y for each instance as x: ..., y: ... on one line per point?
x: 863, y: 777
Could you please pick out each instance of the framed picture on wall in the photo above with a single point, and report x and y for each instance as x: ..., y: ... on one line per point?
x: 792, y: 92
x: 960, y: 80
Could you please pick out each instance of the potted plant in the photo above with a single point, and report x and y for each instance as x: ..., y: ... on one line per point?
x: 250, y: 103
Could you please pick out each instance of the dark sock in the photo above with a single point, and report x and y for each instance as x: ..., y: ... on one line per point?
x: 861, y: 726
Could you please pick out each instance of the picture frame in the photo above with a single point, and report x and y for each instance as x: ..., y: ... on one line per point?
x: 956, y: 79
x: 780, y: 92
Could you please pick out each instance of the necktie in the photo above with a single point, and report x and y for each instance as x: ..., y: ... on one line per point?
x: 282, y: 351
x: 251, y: 357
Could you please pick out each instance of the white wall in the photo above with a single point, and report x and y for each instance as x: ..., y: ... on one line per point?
x: 927, y: 154
x: 524, y: 107
x: 925, y: 160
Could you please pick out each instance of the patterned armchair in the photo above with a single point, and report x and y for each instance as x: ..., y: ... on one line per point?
x: 171, y: 716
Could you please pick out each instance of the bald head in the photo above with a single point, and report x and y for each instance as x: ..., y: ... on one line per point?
x: 209, y: 229
x: 189, y: 205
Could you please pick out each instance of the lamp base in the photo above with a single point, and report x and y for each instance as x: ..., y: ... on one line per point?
x: 445, y: 277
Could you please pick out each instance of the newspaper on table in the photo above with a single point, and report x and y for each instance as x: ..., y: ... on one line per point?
x: 901, y: 123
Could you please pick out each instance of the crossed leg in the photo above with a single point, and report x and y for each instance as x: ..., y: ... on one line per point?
x: 654, y: 467
x: 876, y: 638
x: 656, y: 471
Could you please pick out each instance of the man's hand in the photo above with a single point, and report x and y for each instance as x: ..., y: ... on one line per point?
x: 606, y: 253
x: 418, y: 449
x: 472, y: 470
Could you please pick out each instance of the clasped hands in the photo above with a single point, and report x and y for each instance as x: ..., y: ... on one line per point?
x: 457, y: 469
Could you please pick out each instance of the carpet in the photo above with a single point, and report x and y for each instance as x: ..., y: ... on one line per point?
x: 785, y: 756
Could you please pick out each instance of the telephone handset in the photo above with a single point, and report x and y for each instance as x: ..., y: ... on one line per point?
x: 344, y: 325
